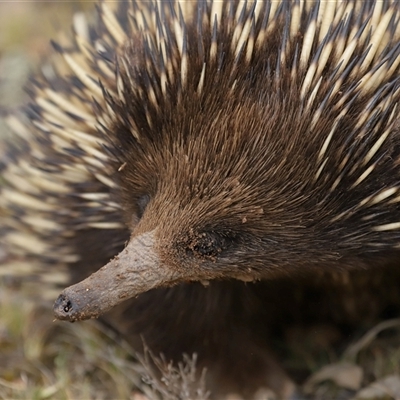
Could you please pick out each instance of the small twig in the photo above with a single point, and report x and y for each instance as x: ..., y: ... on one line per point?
x: 365, y: 340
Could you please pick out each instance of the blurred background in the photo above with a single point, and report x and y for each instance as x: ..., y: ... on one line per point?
x: 26, y: 28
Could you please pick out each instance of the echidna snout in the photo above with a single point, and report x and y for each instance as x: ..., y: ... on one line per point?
x: 150, y: 260
x: 135, y: 270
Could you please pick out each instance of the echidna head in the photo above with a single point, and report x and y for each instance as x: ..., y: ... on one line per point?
x: 209, y: 190
x: 234, y: 160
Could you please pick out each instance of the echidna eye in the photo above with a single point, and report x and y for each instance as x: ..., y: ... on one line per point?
x: 142, y: 204
x: 209, y: 245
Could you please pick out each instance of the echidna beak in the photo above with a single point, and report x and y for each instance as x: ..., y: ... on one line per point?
x: 135, y: 270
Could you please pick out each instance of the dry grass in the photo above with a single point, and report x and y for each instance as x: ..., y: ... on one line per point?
x: 42, y: 359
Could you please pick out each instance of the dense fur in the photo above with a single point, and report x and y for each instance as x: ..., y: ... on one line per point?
x: 261, y: 141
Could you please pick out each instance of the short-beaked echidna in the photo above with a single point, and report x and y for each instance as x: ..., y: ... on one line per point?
x: 210, y: 143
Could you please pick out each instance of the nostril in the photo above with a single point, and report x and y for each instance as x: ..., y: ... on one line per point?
x: 67, y: 306
x: 63, y: 307
x: 73, y: 305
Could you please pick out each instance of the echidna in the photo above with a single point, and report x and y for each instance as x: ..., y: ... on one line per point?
x: 226, y: 156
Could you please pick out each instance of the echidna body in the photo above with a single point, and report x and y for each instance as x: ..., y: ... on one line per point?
x: 222, y: 142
